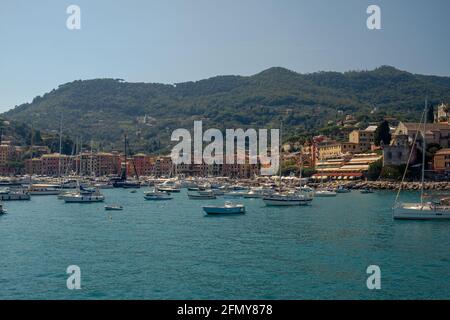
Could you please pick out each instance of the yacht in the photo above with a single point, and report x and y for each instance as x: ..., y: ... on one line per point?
x: 342, y: 189
x: 206, y: 195
x: 43, y: 189
x: 6, y: 194
x: 228, y: 208
x: 157, y: 195
x: 423, y: 210
x: 168, y: 188
x: 113, y: 207
x: 323, y: 193
x: 84, y: 197
x: 254, y: 193
x: 285, y: 199
x: 235, y: 194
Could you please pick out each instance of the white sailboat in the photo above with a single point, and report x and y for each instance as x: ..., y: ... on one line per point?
x: 284, y: 199
x: 422, y: 210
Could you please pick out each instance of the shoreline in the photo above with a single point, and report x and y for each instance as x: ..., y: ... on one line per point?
x: 386, y: 185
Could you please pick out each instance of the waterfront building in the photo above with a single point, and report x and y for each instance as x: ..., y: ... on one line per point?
x: 437, y: 133
x: 397, y: 153
x: 443, y: 114
x: 365, y: 138
x: 55, y: 164
x: 337, y: 149
x: 441, y: 161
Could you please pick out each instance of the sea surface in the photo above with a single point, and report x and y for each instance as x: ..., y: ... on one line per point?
x: 171, y: 250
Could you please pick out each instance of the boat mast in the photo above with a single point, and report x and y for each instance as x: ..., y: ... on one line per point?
x: 280, y: 155
x: 60, y: 147
x: 125, y: 150
x: 424, y: 150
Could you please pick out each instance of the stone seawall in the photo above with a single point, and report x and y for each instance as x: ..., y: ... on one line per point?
x: 386, y: 185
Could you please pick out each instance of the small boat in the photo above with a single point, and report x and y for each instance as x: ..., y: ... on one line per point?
x: 205, y: 195
x: 43, y: 189
x: 157, y: 195
x: 133, y: 191
x: 324, y: 193
x: 2, y: 209
x: 115, y: 207
x: 169, y: 189
x: 235, y: 194
x: 9, y: 195
x: 366, y: 191
x: 342, y: 189
x: 84, y: 197
x: 254, y: 193
x: 285, y: 199
x: 228, y: 208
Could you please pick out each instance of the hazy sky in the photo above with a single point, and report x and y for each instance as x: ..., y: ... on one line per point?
x: 174, y: 41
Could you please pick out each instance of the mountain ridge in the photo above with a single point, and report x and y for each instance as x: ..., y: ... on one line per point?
x: 104, y: 109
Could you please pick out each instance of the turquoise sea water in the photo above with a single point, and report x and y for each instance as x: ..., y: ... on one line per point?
x: 170, y: 250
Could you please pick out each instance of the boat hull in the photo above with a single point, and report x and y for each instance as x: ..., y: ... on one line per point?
x: 417, y: 212
x: 84, y: 199
x: 224, y: 210
x: 284, y: 203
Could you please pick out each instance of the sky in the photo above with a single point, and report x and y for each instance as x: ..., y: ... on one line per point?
x: 171, y: 41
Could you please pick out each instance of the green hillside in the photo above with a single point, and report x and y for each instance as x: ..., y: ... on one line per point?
x: 103, y: 109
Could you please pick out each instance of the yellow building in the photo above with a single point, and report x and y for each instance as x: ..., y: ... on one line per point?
x: 365, y: 138
x: 337, y: 149
x: 441, y: 160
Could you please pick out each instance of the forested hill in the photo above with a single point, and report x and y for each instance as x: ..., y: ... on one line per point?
x: 103, y: 109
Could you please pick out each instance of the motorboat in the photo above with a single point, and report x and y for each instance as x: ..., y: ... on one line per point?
x: 113, y: 207
x: 199, y: 195
x: 168, y: 188
x: 285, y: 199
x: 85, y: 197
x: 366, y: 191
x: 236, y: 194
x: 6, y: 194
x: 342, y: 189
x: 324, y: 193
x: 157, y: 195
x: 43, y: 189
x: 227, y: 208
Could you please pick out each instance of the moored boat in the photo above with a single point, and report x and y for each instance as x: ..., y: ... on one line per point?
x: 324, y: 193
x: 423, y: 210
x: 84, y: 197
x: 228, y: 208
x: 2, y: 209
x: 285, y: 199
x: 199, y: 195
x: 113, y: 207
x: 157, y: 195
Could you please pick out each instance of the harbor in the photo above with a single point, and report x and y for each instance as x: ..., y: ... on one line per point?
x: 171, y: 249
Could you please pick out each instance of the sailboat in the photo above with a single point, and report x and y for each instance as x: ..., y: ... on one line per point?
x: 422, y: 210
x: 122, y: 181
x: 282, y: 198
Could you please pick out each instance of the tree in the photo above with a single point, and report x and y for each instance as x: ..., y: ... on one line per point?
x: 430, y: 114
x: 383, y: 133
x: 375, y: 170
